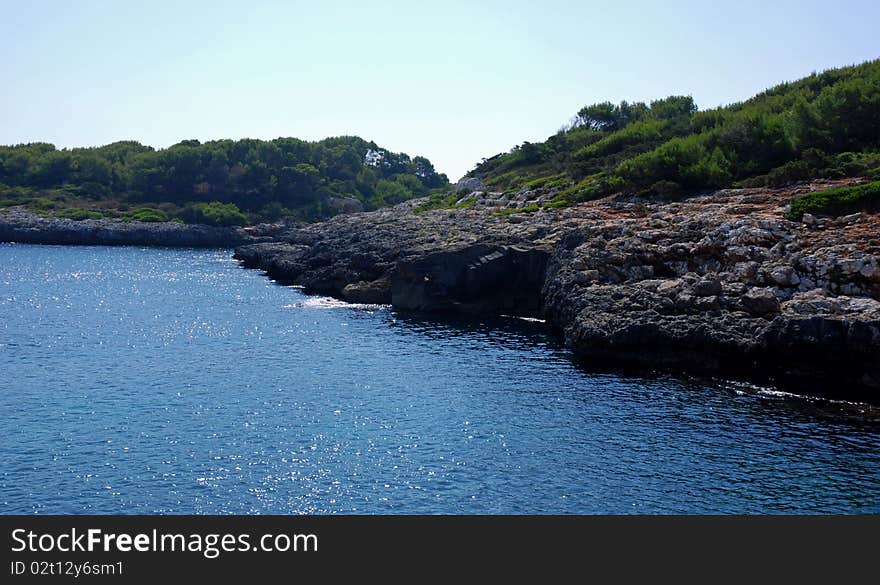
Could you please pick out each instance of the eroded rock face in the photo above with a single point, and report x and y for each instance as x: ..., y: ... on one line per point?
x: 280, y: 260
x: 711, y: 291
x: 411, y: 261
x: 719, y: 282
x: 377, y: 292
x: 479, y: 278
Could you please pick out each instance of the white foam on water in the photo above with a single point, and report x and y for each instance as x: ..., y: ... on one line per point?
x: 746, y: 389
x: 529, y: 319
x: 331, y: 303
x: 770, y: 393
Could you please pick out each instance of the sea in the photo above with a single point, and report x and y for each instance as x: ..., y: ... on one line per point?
x: 173, y: 381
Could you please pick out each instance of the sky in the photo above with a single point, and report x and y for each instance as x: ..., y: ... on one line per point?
x: 452, y: 81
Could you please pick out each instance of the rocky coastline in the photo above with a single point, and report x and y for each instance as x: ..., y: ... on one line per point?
x: 721, y: 283
x: 26, y: 227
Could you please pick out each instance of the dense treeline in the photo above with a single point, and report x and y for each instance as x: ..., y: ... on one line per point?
x: 213, y: 182
x: 825, y: 125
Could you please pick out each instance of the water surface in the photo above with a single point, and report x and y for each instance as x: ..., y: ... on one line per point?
x: 172, y: 381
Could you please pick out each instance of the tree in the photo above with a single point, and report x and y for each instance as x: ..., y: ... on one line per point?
x: 598, y: 117
x: 249, y: 173
x: 412, y: 183
x: 424, y: 170
x: 675, y: 106
x: 390, y: 193
x: 297, y: 184
x: 51, y: 169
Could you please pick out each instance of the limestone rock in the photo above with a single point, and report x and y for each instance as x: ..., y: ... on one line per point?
x: 468, y: 184
x: 377, y: 292
x: 346, y: 205
x: 690, y: 284
x: 761, y: 301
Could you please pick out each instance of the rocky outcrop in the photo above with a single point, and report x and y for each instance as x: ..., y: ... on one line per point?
x: 30, y: 228
x: 720, y: 293
x: 478, y: 279
x: 345, y: 204
x: 395, y: 256
x: 468, y: 184
x: 718, y: 283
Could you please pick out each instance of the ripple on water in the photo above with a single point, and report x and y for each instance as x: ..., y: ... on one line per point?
x: 172, y: 381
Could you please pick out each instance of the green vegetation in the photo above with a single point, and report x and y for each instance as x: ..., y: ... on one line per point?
x: 215, y: 213
x: 514, y: 210
x: 78, y: 214
x: 443, y: 199
x: 222, y: 182
x: 825, y: 125
x: 147, y: 214
x: 837, y: 201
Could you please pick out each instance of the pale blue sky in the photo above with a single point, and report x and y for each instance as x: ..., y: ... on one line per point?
x: 453, y: 81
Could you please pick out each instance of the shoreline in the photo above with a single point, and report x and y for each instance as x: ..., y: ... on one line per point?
x: 25, y: 227
x: 718, y: 285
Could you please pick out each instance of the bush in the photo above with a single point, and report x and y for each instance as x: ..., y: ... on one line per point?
x: 642, y: 132
x: 558, y: 204
x: 214, y: 213
x: 594, y: 187
x: 851, y: 164
x: 390, y: 193
x: 836, y: 201
x: 549, y: 182
x: 78, y: 214
x: 45, y: 204
x: 146, y: 214
x: 442, y: 199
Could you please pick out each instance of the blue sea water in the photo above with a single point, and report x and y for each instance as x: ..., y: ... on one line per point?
x: 149, y: 381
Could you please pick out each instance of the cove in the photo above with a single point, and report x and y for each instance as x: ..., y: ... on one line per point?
x: 141, y: 380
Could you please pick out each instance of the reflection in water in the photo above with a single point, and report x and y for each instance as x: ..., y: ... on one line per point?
x: 144, y: 381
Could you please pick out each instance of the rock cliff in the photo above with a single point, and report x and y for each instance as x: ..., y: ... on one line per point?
x: 720, y: 282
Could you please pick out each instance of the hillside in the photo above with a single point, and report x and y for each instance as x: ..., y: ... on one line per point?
x: 222, y: 182
x: 826, y: 125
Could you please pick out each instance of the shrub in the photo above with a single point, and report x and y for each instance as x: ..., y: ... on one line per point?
x: 442, y: 199
x: 836, y: 201
x: 78, y: 214
x: 146, y: 214
x: 641, y: 132
x: 44, y: 204
x: 557, y: 204
x: 214, y: 213
x: 548, y: 182
x: 390, y: 193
